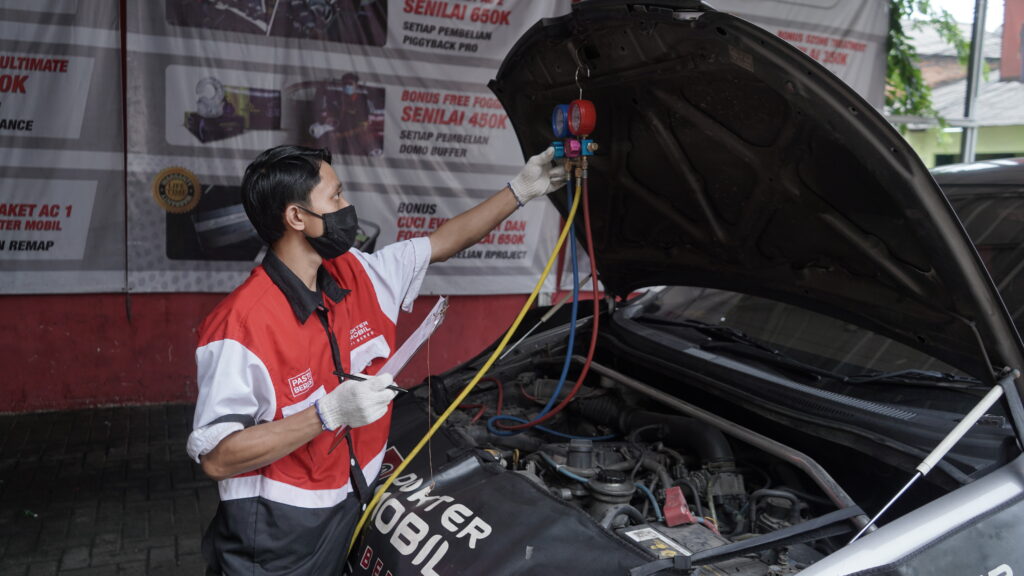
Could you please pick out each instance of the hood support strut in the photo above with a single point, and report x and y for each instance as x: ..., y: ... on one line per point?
x: 954, y: 436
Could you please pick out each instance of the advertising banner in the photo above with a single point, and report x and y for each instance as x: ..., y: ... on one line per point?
x: 845, y: 36
x: 395, y: 90
x: 62, y: 211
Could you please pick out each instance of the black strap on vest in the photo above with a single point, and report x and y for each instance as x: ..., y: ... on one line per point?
x: 355, y: 471
x: 831, y: 524
x: 321, y: 313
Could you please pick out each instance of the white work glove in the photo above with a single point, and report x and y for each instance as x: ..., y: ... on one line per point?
x: 538, y: 177
x: 354, y: 403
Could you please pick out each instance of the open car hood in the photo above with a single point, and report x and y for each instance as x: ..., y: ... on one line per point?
x: 728, y: 159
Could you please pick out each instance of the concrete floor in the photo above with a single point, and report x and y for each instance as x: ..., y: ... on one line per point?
x: 101, y: 492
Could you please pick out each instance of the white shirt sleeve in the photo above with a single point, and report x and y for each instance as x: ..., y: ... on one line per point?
x: 203, y: 440
x: 397, y: 272
x: 235, y: 390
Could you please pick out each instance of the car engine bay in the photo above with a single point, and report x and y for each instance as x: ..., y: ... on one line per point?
x: 662, y: 482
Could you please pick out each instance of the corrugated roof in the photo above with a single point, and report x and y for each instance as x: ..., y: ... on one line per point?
x: 999, y: 103
x: 926, y: 39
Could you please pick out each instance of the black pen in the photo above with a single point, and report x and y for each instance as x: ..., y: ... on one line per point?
x: 394, y: 387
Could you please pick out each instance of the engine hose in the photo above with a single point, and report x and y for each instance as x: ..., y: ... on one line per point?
x: 634, y: 435
x: 481, y: 436
x: 567, y: 471
x: 709, y: 442
x: 472, y: 383
x: 626, y: 509
x: 603, y: 409
x: 650, y: 497
x: 696, y: 495
x: 624, y: 466
x: 596, y: 317
x: 675, y: 455
x: 653, y: 465
x: 801, y: 461
x: 794, y: 509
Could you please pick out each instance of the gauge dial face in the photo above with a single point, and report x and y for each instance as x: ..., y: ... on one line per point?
x: 582, y: 117
x: 560, y: 121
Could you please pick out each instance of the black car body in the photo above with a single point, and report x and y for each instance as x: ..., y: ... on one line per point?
x: 989, y: 198
x: 812, y: 320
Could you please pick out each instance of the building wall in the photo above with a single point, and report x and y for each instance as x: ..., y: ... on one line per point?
x: 1013, y: 30
x: 84, y: 350
x: 939, y: 70
x: 1003, y: 140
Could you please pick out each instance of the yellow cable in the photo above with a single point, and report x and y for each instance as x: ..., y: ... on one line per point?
x: 483, y: 370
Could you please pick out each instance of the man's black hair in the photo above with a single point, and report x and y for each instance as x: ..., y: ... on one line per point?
x: 278, y: 177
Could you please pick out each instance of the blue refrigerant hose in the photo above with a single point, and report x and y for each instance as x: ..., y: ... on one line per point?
x: 568, y: 356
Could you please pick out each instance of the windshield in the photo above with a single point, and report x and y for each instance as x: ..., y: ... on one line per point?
x: 809, y: 365
x: 815, y: 339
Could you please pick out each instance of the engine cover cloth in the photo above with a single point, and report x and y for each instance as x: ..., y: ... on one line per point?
x: 474, y: 517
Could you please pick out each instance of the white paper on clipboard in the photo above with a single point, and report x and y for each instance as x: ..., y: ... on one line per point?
x: 408, y: 348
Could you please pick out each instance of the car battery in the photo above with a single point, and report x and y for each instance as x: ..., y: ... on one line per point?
x: 660, y: 541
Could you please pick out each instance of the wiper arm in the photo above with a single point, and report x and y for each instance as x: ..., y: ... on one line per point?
x: 916, y: 376
x: 731, y: 337
x: 773, y: 357
x: 712, y: 330
x: 739, y: 342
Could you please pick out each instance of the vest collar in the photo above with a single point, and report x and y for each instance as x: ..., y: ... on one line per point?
x: 302, y: 300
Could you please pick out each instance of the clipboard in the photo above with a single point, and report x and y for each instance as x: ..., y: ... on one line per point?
x: 404, y: 353
x: 408, y: 349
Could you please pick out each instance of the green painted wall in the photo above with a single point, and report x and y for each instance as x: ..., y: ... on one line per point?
x: 1003, y: 140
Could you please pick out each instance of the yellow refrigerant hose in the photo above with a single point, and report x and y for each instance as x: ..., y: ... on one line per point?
x: 483, y: 370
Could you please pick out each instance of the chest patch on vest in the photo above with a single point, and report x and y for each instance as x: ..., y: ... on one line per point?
x: 301, y: 383
x: 361, y: 333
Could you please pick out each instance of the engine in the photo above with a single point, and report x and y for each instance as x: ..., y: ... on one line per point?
x: 664, y: 482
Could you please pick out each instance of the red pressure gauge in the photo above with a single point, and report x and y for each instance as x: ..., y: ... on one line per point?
x: 582, y: 117
x: 560, y: 121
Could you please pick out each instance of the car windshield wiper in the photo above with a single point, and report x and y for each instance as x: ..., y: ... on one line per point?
x: 916, y: 376
x: 740, y: 342
x: 713, y: 330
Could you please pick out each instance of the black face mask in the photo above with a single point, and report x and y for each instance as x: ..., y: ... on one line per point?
x: 339, y: 234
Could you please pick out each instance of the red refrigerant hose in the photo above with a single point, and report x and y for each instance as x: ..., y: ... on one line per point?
x: 593, y: 334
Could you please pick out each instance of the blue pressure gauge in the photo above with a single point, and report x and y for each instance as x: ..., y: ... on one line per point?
x: 560, y: 121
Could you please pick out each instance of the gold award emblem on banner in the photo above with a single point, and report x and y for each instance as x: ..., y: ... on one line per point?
x: 176, y: 190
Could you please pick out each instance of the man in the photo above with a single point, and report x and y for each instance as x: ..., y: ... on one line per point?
x: 274, y: 360
x: 354, y: 119
x: 343, y: 118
